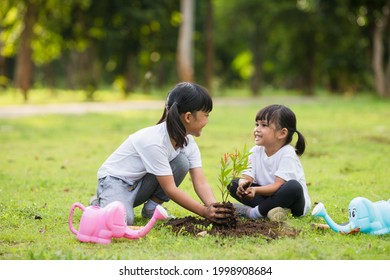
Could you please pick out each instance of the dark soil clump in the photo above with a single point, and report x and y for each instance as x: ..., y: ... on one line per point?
x: 234, y: 226
x: 243, y: 227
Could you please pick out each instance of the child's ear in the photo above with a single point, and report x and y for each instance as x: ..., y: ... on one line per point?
x: 283, y: 133
x: 187, y: 117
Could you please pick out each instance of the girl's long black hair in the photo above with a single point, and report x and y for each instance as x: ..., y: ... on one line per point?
x: 184, y: 97
x: 283, y: 117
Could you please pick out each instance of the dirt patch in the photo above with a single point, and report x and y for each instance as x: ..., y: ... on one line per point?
x: 235, y: 226
x: 243, y: 227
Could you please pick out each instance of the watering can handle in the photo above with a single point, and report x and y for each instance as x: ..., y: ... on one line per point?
x: 70, y: 220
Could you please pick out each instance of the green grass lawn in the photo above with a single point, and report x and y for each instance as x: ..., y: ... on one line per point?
x: 49, y: 162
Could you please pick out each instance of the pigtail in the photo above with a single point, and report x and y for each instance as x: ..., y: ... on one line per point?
x: 283, y: 117
x: 300, y: 145
x: 175, y: 127
x: 164, y: 115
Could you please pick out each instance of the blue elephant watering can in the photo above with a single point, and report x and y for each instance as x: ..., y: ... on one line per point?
x: 364, y: 216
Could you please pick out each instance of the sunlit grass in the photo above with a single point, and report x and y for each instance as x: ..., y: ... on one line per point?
x: 52, y: 96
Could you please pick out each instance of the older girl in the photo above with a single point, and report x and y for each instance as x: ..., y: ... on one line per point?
x: 150, y: 164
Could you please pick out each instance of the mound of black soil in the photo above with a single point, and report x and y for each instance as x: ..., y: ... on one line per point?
x: 242, y: 227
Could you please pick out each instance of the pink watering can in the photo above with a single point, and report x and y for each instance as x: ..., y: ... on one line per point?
x: 100, y: 225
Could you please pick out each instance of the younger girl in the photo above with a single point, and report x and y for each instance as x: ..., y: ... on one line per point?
x: 149, y: 165
x: 274, y: 184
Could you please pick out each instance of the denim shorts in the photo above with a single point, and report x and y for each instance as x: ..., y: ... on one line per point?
x: 112, y: 189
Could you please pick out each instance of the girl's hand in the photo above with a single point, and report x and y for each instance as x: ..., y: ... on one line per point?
x: 250, y: 193
x: 243, y: 185
x: 217, y: 213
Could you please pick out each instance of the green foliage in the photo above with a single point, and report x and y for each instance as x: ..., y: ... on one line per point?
x: 243, y: 64
x: 49, y: 162
x: 11, y: 33
x: 232, y: 165
x: 285, y: 44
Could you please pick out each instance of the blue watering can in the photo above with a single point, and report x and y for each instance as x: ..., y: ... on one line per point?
x: 364, y: 216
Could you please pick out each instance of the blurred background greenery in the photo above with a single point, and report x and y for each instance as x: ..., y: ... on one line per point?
x: 132, y: 46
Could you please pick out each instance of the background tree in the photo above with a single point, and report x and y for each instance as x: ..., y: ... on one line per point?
x: 32, y: 32
x: 185, y: 63
x: 209, y: 45
x: 379, y: 20
x: 24, y: 63
x: 139, y: 42
x: 304, y: 45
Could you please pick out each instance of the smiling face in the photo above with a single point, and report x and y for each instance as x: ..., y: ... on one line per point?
x: 264, y: 133
x: 269, y: 136
x: 360, y: 209
x: 194, y: 122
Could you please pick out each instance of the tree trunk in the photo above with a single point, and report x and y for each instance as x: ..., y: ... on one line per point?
x: 257, y: 51
x: 209, y: 63
x: 129, y: 75
x: 84, y: 71
x: 49, y: 71
x: 185, y: 44
x: 378, y: 54
x: 387, y: 73
x: 24, y: 64
x: 66, y: 60
x: 308, y: 63
x: 377, y: 62
x: 3, y: 76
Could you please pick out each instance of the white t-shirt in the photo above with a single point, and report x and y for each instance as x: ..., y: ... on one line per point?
x: 148, y: 150
x: 284, y: 164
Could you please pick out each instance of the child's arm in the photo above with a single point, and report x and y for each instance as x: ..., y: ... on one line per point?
x: 186, y: 201
x: 201, y: 186
x: 180, y: 197
x: 266, y: 190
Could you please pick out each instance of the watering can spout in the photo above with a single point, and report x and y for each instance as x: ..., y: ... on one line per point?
x: 320, y: 211
x: 159, y: 214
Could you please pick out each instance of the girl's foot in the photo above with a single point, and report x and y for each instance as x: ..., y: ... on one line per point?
x: 278, y: 214
x: 241, y: 210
